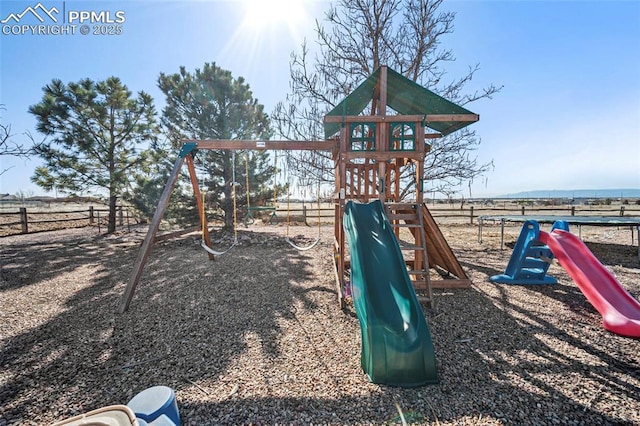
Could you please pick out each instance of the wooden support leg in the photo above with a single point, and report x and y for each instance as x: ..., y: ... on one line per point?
x: 143, y: 254
x: 200, y: 203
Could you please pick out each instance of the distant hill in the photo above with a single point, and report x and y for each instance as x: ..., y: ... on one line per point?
x: 577, y: 193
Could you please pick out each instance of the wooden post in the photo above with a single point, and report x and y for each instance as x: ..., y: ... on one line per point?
x: 340, y: 210
x: 382, y: 181
x: 419, y: 180
x: 418, y: 263
x: 382, y: 105
x: 120, y: 216
x: 420, y: 147
x: 471, y: 215
x: 24, y: 220
x: 573, y: 210
x: 147, y: 244
x: 368, y: 175
x: 92, y: 218
x: 522, y: 210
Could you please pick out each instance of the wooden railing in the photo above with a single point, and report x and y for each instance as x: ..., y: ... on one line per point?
x: 465, y: 214
x: 470, y: 213
x: 24, y: 220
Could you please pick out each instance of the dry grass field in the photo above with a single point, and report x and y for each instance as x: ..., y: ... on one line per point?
x: 256, y: 336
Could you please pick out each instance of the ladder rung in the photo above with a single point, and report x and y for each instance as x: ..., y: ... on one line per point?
x: 412, y: 247
x: 407, y: 225
x: 419, y: 284
x: 400, y: 206
x: 401, y: 216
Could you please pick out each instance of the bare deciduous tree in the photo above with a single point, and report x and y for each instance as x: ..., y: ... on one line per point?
x: 8, y: 146
x: 353, y: 40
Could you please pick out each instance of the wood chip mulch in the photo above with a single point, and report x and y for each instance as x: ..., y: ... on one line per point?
x: 256, y: 336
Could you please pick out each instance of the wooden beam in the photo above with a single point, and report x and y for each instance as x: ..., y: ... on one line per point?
x: 383, y: 156
x: 147, y: 244
x: 451, y: 283
x: 373, y: 118
x: 437, y: 118
x: 430, y: 118
x: 328, y: 145
x: 450, y: 262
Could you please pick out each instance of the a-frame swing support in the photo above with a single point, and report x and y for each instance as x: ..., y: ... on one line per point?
x: 147, y: 244
x: 186, y: 155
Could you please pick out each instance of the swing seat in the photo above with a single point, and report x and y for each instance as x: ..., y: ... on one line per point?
x: 297, y: 247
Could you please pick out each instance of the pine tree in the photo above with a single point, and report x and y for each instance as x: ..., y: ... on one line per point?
x: 211, y: 104
x: 99, y: 137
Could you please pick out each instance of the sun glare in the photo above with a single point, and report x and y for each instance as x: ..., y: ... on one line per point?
x: 271, y: 14
x: 267, y: 28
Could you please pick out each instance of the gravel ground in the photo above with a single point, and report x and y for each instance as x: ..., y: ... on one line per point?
x: 256, y: 337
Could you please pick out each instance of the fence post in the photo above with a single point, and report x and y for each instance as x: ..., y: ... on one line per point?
x: 128, y: 224
x: 120, y: 216
x: 573, y: 210
x: 24, y: 220
x: 99, y: 223
x: 522, y: 209
x: 304, y: 213
x: 91, y: 217
x: 471, y: 214
x: 621, y: 211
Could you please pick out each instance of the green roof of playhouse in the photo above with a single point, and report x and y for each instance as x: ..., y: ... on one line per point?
x: 404, y: 96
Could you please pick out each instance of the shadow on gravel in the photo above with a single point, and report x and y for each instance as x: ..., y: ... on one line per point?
x: 86, y: 355
x: 615, y: 254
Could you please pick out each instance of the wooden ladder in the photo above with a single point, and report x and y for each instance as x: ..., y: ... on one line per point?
x: 405, y: 215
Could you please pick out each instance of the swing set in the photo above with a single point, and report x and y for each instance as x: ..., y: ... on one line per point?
x: 249, y: 219
x: 373, y: 156
x: 203, y: 214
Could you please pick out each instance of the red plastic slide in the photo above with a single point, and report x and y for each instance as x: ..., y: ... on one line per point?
x: 620, y: 311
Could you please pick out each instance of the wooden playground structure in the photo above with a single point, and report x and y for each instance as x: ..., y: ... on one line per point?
x: 374, y: 156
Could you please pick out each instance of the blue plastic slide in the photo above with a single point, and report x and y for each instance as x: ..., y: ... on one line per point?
x: 530, y: 258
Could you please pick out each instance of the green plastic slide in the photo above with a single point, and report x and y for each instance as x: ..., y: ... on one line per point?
x: 396, y: 343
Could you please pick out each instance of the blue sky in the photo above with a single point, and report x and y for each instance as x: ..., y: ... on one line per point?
x: 568, y: 116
